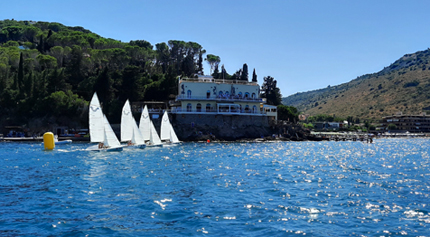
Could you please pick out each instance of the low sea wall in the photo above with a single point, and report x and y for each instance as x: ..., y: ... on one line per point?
x: 191, y: 127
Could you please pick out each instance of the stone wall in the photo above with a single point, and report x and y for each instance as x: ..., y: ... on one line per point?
x: 190, y: 127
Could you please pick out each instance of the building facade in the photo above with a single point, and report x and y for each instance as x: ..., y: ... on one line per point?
x: 410, y: 123
x: 205, y: 95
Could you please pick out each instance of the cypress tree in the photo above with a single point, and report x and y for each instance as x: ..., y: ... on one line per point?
x: 28, y: 85
x: 244, y: 75
x: 254, y: 76
x: 20, y: 72
x: 216, y: 73
x: 41, y: 44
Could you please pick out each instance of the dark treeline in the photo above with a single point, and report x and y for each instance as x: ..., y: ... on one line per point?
x: 48, y: 70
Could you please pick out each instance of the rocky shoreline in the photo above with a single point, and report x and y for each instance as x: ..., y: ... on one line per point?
x: 201, y: 128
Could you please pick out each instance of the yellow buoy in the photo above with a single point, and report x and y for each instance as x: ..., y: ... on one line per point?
x: 48, y: 141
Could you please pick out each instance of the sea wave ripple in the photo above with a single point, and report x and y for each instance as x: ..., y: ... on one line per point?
x: 230, y: 189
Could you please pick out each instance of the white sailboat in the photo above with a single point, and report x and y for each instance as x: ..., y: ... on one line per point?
x: 154, y: 139
x: 129, y: 131
x: 167, y: 133
x: 110, y: 141
x: 96, y: 124
x: 147, y: 129
x: 100, y: 129
x: 144, y: 124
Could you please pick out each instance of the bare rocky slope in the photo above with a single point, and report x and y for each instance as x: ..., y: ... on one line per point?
x: 401, y: 87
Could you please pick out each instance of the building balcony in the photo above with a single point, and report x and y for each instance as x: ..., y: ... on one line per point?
x: 221, y: 111
x: 218, y: 81
x: 220, y: 98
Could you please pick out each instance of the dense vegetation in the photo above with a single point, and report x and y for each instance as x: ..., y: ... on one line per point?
x: 50, y: 71
x: 401, y: 87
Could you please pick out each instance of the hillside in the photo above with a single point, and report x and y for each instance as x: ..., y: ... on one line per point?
x: 49, y: 71
x: 401, y: 87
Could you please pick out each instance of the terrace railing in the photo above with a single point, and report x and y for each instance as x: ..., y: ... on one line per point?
x: 220, y: 98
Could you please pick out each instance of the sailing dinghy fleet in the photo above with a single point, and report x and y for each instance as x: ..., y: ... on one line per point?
x: 143, y: 136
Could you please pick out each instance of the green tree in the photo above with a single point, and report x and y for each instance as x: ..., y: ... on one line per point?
x: 41, y: 44
x: 163, y: 56
x: 289, y: 113
x: 270, y: 91
x: 20, y: 71
x: 254, y: 76
x: 216, y: 74
x: 62, y: 103
x: 104, y: 87
x: 11, y: 43
x: 74, y: 67
x: 58, y: 53
x: 14, y: 32
x: 141, y: 43
x: 200, y: 62
x: 213, y: 61
x: 350, y: 120
x: 224, y: 74
x: 131, y: 84
x: 308, y: 125
x: 28, y: 85
x: 46, y: 61
x: 244, y: 75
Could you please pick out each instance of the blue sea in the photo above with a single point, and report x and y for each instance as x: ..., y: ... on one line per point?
x: 218, y: 189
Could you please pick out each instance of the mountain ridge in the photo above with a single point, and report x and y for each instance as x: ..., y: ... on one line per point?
x: 400, y: 87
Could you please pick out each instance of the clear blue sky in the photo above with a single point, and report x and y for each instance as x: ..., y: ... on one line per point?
x: 304, y: 45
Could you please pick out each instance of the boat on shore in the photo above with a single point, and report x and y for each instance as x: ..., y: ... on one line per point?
x: 62, y: 142
x: 22, y: 139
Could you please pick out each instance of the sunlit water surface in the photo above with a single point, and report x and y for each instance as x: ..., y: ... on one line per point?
x: 225, y: 189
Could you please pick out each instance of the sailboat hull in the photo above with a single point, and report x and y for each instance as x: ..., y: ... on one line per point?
x: 172, y: 143
x: 114, y: 149
x: 157, y: 145
x: 109, y: 149
x: 141, y: 146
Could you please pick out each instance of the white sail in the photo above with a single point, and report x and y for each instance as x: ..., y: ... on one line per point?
x: 144, y: 124
x: 173, y: 137
x: 133, y: 138
x: 110, y: 140
x: 154, y: 138
x: 96, y: 124
x: 137, y: 137
x: 165, y: 127
x: 126, y: 122
x: 167, y: 132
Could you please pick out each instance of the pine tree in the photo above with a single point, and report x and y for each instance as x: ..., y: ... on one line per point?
x: 270, y: 91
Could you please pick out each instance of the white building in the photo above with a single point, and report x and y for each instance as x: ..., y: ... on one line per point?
x: 271, y: 111
x: 219, y: 96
